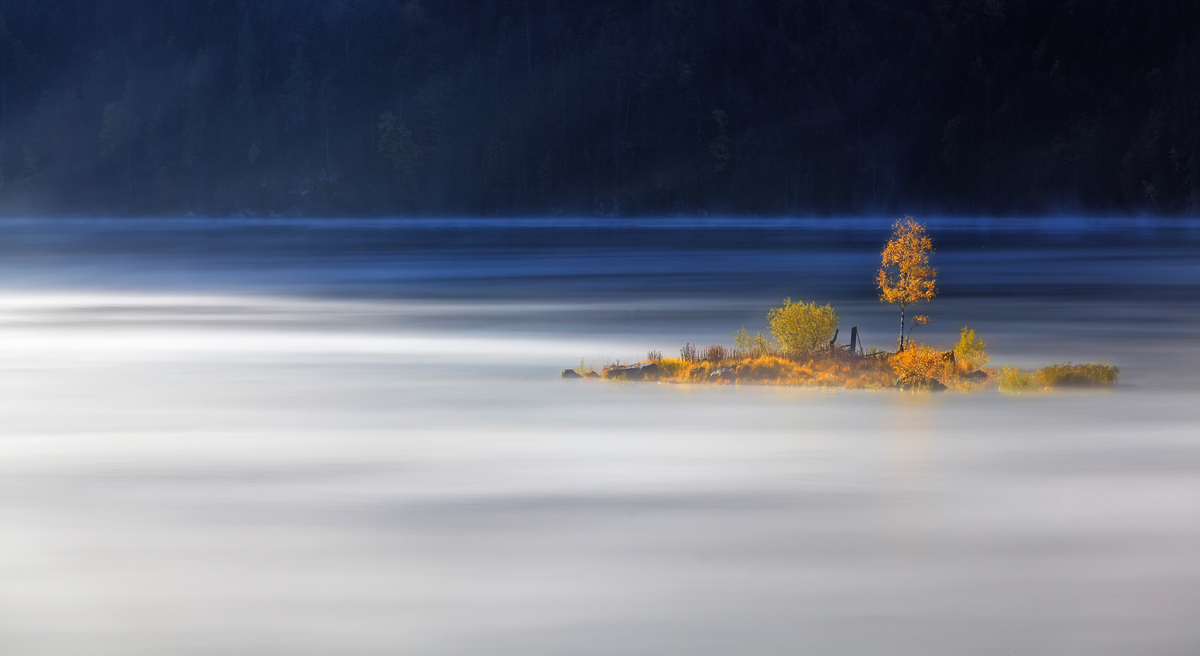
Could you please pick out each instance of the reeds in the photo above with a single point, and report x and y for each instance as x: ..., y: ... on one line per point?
x: 687, y: 352
x: 1088, y: 374
x: 715, y: 353
x: 1014, y: 381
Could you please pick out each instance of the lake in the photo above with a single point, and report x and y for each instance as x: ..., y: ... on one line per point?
x: 295, y: 436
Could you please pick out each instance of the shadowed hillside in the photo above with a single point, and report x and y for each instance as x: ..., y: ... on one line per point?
x: 621, y: 107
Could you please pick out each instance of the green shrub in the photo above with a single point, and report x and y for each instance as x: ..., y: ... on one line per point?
x: 802, y: 326
x: 1014, y: 381
x: 746, y: 346
x: 970, y: 352
x: 1088, y: 374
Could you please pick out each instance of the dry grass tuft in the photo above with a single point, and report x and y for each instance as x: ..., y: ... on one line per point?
x: 715, y: 353
x: 687, y: 353
x: 810, y: 370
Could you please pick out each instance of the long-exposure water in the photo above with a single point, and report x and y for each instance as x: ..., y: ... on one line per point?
x: 277, y: 436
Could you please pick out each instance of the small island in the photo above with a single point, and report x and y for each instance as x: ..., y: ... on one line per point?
x: 804, y: 348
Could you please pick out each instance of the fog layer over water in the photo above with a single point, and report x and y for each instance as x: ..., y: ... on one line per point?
x: 314, y: 437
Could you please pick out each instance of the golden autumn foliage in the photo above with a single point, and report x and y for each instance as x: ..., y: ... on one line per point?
x: 905, y: 276
x: 800, y: 327
x: 803, y: 351
x: 816, y: 370
x: 970, y: 352
x: 917, y: 367
x: 918, y: 364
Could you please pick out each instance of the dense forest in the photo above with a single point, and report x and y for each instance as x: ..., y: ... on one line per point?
x: 614, y: 107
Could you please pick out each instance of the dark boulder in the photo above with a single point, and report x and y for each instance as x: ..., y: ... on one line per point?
x: 636, y: 372
x: 591, y: 374
x: 977, y: 376
x: 929, y: 385
x: 569, y: 374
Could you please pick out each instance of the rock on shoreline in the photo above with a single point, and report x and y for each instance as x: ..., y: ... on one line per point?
x: 634, y: 372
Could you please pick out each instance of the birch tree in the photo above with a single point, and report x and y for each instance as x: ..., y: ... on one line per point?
x: 905, y: 276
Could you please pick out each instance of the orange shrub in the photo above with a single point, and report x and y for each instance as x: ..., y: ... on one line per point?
x: 918, y: 363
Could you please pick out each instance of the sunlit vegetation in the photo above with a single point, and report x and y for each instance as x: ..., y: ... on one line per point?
x: 801, y: 326
x: 817, y: 369
x: 1058, y: 376
x: 746, y: 346
x: 804, y: 348
x: 905, y: 276
x: 804, y: 351
x: 1088, y: 374
x: 970, y: 351
x: 1014, y: 381
x: 920, y: 365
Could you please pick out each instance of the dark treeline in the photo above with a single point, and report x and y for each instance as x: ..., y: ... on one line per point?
x: 619, y: 106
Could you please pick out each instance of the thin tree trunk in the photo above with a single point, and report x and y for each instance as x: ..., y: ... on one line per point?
x: 901, y: 327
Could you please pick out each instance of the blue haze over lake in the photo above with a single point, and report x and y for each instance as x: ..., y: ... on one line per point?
x: 287, y: 436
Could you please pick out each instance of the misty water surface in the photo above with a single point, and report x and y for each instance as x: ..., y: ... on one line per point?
x: 314, y: 437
